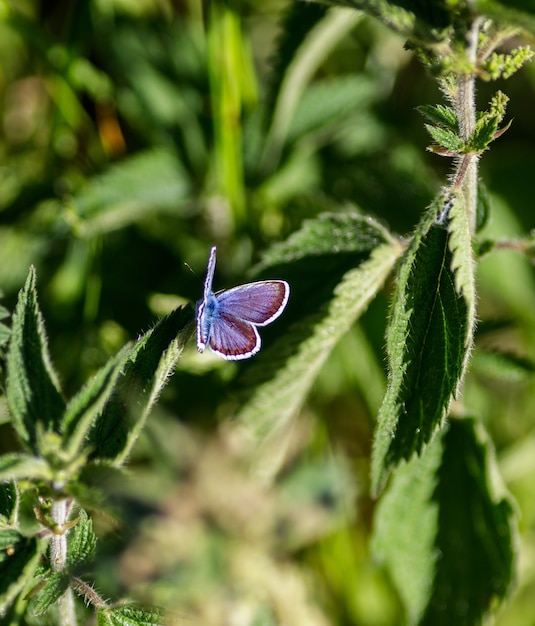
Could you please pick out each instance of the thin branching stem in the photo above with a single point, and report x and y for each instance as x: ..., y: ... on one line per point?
x: 465, y: 177
x: 58, y: 558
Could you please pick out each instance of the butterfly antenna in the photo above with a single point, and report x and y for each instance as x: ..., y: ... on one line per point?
x: 191, y: 269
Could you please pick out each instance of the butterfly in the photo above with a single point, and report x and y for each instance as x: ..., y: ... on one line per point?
x: 227, y: 320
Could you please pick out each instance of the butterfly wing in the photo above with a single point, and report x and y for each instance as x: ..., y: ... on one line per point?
x: 210, y: 270
x: 227, y: 320
x: 258, y: 303
x: 233, y: 338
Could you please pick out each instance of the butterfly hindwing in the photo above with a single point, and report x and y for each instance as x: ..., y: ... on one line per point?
x: 233, y: 338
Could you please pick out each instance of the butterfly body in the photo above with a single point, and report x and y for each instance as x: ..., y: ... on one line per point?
x: 227, y: 320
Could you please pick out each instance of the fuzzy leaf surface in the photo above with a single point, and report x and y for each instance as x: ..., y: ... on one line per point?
x: 82, y: 541
x: 335, y: 265
x: 130, y: 615
x: 446, y: 529
x: 18, y: 559
x: 440, y: 115
x: 429, y: 338
x: 55, y: 586
x: 151, y: 362
x: 20, y: 466
x: 33, y: 390
x: 87, y: 405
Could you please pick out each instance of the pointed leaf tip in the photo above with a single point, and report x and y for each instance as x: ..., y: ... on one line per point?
x: 32, y: 390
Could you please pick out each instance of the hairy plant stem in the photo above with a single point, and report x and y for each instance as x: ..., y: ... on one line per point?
x: 58, y: 558
x: 465, y: 177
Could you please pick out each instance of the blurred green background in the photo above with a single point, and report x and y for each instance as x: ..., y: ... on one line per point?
x: 136, y: 134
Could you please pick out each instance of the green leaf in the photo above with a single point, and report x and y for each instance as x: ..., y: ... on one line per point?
x: 446, y: 530
x: 335, y: 265
x: 325, y: 33
x: 517, y: 12
x: 56, y: 585
x: 4, y: 330
x: 82, y: 541
x: 18, y: 559
x: 440, y: 115
x: 130, y: 615
x: 18, y: 466
x: 299, y: 19
x: 483, y: 206
x: 421, y: 20
x: 87, y: 405
x: 503, y: 367
x: 33, y: 391
x: 487, y: 123
x: 148, y: 182
x: 9, y: 502
x: 447, y: 139
x: 150, y: 363
x: 329, y: 102
x: 428, y: 338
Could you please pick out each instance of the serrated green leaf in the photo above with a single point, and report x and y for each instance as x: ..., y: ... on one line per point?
x: 428, y: 340
x: 18, y: 466
x: 130, y: 615
x: 87, y: 405
x: 82, y: 541
x: 462, y: 261
x: 33, y: 390
x: 55, y: 586
x: 446, y: 138
x: 18, y: 559
x: 484, y: 133
x: 445, y: 529
x: 335, y: 266
x: 151, y: 362
x: 440, y: 115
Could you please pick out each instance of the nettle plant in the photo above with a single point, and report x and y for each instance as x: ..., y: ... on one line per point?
x: 444, y: 527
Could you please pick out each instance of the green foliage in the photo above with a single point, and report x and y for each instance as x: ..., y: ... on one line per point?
x: 432, y: 315
x: 349, y: 257
x: 442, y: 526
x: 32, y: 389
x: 129, y: 615
x: 136, y: 136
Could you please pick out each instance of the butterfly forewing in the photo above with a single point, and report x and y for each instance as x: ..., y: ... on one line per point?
x: 259, y: 303
x: 233, y: 338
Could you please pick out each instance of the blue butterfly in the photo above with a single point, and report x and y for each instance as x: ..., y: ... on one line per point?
x: 227, y: 319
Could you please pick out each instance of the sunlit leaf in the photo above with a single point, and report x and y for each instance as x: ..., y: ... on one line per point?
x: 33, y: 390
x: 429, y: 336
x: 445, y: 528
